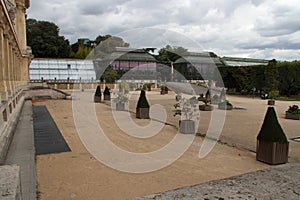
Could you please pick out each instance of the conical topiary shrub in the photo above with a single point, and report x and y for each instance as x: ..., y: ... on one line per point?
x: 142, y: 107
x: 272, y: 144
x: 106, y: 94
x: 97, y: 96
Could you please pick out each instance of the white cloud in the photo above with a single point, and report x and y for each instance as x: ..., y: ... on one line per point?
x: 260, y: 28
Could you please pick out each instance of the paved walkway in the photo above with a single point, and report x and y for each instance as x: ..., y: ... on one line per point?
x: 22, y: 152
x: 279, y: 182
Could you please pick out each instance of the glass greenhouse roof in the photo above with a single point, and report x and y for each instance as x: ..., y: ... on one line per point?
x: 61, y: 69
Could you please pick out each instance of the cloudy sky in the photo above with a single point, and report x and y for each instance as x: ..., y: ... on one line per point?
x: 246, y: 28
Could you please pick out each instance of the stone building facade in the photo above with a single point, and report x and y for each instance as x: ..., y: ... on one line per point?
x: 14, y: 54
x: 15, y: 58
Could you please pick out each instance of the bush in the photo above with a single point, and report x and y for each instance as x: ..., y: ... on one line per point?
x: 273, y: 94
x: 106, y: 91
x: 294, y: 109
x: 98, y: 91
x: 225, y: 103
x: 271, y: 130
x: 142, y: 102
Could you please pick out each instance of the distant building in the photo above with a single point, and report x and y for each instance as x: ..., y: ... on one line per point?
x: 234, y: 61
x: 131, y: 64
x: 61, y: 69
x: 195, y: 66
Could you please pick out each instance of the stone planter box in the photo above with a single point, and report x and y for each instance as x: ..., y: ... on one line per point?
x: 142, y: 113
x: 225, y: 107
x: 120, y: 106
x: 272, y: 152
x: 271, y: 102
x: 106, y: 97
x: 187, y: 126
x: 289, y: 115
x: 97, y: 99
x: 206, y: 107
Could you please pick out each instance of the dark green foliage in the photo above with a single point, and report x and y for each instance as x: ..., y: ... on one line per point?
x: 98, y: 91
x: 294, y: 109
x: 170, y: 54
x: 45, y: 41
x: 271, y: 130
x: 110, y: 75
x: 106, y: 91
x: 271, y: 76
x: 164, y: 88
x: 225, y: 103
x: 142, y: 102
x: 289, y: 78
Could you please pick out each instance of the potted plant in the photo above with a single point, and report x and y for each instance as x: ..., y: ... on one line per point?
x: 201, y: 97
x: 142, y: 108
x: 206, y: 106
x: 106, y: 94
x: 187, y: 108
x: 164, y: 90
x: 225, y: 105
x: 120, y: 101
x: 272, y: 144
x: 293, y: 112
x: 272, y: 96
x: 97, y: 96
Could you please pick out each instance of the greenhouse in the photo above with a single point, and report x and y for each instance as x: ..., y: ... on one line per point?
x: 61, y: 69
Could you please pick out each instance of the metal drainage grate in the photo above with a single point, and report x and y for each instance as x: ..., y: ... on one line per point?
x: 47, y: 137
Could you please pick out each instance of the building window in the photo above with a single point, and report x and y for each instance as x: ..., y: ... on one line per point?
x: 69, y: 66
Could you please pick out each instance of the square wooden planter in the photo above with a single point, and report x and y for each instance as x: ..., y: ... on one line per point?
x: 272, y: 152
x: 97, y: 99
x: 271, y: 102
x: 142, y: 113
x: 289, y: 115
x: 120, y: 106
x: 225, y: 107
x: 106, y: 97
x: 187, y: 126
x: 206, y: 107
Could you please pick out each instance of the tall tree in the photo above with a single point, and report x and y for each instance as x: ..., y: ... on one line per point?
x: 170, y: 54
x: 271, y: 76
x: 45, y: 41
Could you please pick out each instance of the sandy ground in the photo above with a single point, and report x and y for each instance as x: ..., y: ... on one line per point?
x: 79, y: 175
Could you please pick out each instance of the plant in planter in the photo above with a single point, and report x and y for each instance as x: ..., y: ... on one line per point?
x: 106, y: 94
x: 142, y: 108
x: 272, y: 144
x: 187, y: 108
x: 293, y: 112
x: 201, y: 97
x: 120, y: 101
x: 97, y: 96
x: 164, y: 89
x: 272, y: 96
x: 225, y: 105
x: 206, y: 106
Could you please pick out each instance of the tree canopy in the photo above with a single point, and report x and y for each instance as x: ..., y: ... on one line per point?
x: 170, y: 54
x: 45, y: 41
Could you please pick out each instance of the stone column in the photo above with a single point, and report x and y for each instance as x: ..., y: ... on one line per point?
x: 6, y: 65
x: 21, y: 24
x: 2, y: 63
x: 12, y: 68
